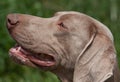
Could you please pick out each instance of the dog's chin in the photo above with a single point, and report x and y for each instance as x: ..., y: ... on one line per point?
x: 25, y: 57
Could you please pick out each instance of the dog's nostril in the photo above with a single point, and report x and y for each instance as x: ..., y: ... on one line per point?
x: 12, y: 20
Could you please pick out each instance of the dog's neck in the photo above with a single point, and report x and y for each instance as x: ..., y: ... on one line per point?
x: 65, y: 75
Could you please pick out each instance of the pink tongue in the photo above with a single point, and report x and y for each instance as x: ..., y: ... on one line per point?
x: 41, y: 63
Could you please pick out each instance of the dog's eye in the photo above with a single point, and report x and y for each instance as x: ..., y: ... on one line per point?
x: 61, y: 25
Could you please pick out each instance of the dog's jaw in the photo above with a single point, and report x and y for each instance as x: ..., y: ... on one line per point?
x: 65, y: 75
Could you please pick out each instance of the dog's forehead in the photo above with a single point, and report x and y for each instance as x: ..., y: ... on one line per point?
x: 71, y: 14
x: 65, y: 13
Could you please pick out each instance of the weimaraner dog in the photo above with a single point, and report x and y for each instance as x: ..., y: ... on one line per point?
x: 74, y: 46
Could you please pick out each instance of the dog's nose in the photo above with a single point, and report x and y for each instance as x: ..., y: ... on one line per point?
x: 12, y: 20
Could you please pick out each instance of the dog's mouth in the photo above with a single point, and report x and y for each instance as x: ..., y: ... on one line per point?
x: 23, y: 56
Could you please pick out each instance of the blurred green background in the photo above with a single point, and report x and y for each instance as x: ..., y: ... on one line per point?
x: 106, y: 11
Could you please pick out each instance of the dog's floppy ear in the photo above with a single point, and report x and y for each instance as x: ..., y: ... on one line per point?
x: 96, y: 61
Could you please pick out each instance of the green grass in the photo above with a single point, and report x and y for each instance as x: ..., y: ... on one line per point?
x: 105, y: 11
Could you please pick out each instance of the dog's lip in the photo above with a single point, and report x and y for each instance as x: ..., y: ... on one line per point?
x: 22, y: 56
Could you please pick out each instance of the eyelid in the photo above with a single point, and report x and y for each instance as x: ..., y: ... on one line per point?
x: 62, y: 25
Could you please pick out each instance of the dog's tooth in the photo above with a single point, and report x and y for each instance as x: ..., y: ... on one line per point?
x: 19, y: 48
